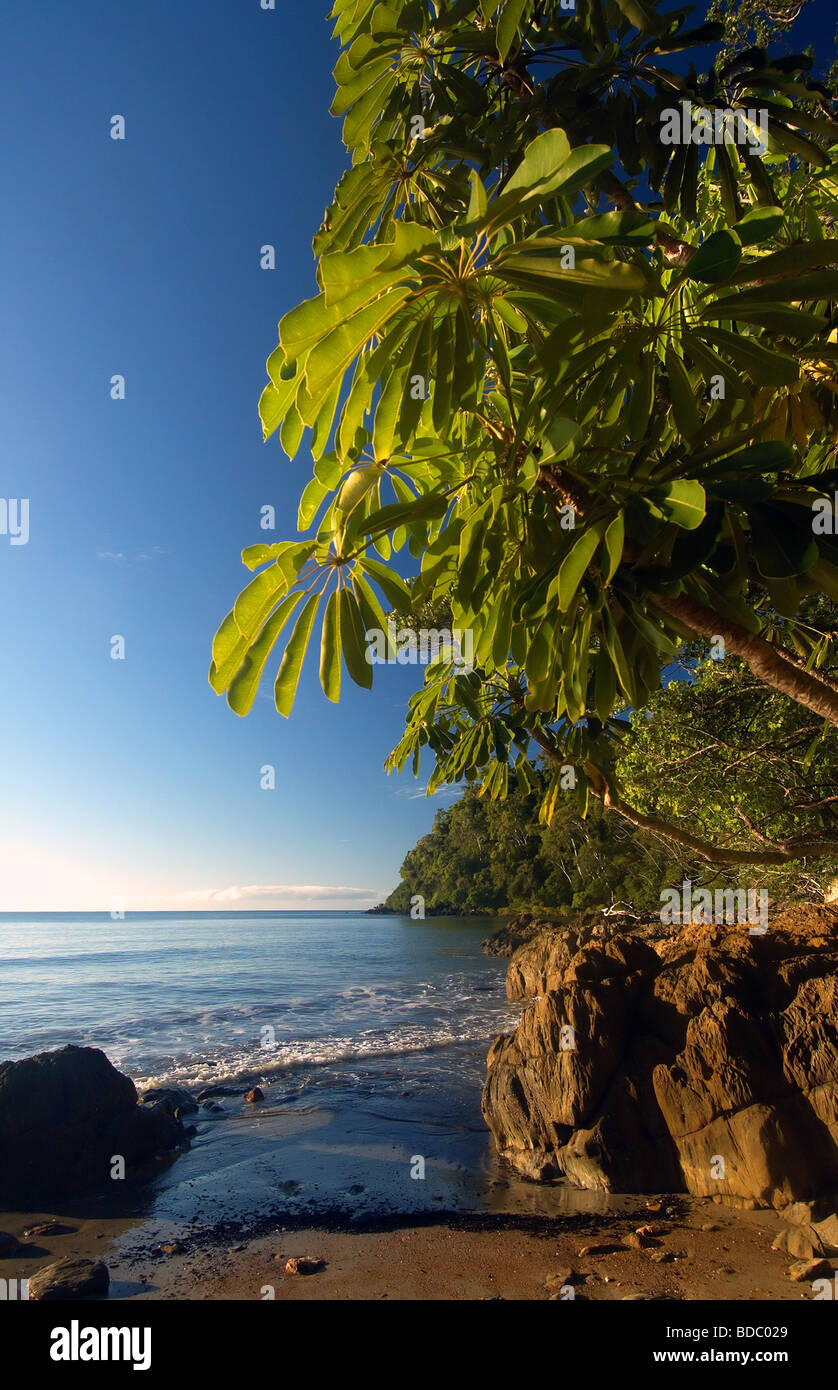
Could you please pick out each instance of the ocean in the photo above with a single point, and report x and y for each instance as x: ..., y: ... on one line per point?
x: 367, y: 1034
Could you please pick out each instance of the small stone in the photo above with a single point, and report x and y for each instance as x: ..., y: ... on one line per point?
x: 9, y: 1245
x: 47, y: 1228
x: 70, y: 1279
x: 711, y: 1226
x: 641, y: 1239
x: 559, y: 1281
x: 609, y: 1249
x: 808, y: 1269
x: 172, y: 1247
x: 255, y: 1095
x: 304, y: 1264
x: 662, y: 1257
x: 656, y: 1206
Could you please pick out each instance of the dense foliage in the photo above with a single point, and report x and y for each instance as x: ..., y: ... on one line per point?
x: 712, y: 751
x: 484, y: 856
x: 579, y: 380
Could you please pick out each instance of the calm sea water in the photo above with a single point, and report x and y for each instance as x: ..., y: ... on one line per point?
x: 367, y: 1034
x: 201, y: 999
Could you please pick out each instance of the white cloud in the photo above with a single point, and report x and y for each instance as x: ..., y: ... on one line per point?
x: 293, y: 891
x: 415, y: 790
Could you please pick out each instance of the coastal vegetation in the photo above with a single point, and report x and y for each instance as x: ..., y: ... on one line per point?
x: 712, y: 745
x: 577, y: 386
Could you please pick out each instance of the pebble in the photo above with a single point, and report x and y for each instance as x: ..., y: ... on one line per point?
x: 304, y: 1264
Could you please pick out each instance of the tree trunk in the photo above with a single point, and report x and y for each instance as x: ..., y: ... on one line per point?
x: 767, y: 662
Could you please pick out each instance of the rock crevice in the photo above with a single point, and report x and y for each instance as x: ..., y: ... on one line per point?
x: 704, y: 1060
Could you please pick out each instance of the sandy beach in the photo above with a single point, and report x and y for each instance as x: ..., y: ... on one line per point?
x: 696, y: 1250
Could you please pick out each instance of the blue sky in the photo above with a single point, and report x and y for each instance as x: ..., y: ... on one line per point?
x: 130, y: 779
x: 141, y: 257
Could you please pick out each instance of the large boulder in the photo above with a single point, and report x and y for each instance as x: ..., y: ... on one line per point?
x: 702, y: 1059
x: 65, y: 1116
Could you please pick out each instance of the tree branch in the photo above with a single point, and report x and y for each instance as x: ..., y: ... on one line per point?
x: 714, y: 854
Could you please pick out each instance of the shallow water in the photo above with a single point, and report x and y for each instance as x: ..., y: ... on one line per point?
x: 367, y: 1034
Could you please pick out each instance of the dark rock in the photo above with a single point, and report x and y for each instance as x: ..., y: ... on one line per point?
x: 171, y: 1095
x: 9, y: 1245
x: 254, y: 1096
x: 209, y: 1091
x: 64, y: 1115
x: 70, y: 1279
x: 512, y: 935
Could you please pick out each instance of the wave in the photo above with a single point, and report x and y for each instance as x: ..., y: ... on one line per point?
x: 290, y: 1059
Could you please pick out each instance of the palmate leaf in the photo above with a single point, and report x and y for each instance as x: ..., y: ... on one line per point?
x: 443, y: 258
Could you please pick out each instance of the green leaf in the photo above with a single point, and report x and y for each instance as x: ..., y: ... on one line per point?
x: 313, y: 494
x: 615, y: 229
x: 760, y: 224
x: 546, y: 154
x: 330, y: 649
x: 242, y: 691
x: 353, y: 641
x: 716, y: 259
x: 508, y: 25
x: 782, y: 539
x: 391, y: 584
x: 681, y: 393
x: 792, y: 260
x: 356, y: 485
x: 288, y: 676
x: 613, y: 542
x: 333, y: 354
x: 575, y: 563
x: 683, y: 501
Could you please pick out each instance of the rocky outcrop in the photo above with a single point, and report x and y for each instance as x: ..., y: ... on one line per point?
x: 513, y: 934
x: 702, y: 1059
x: 65, y: 1116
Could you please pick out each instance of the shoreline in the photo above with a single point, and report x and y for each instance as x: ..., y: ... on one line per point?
x: 696, y: 1250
